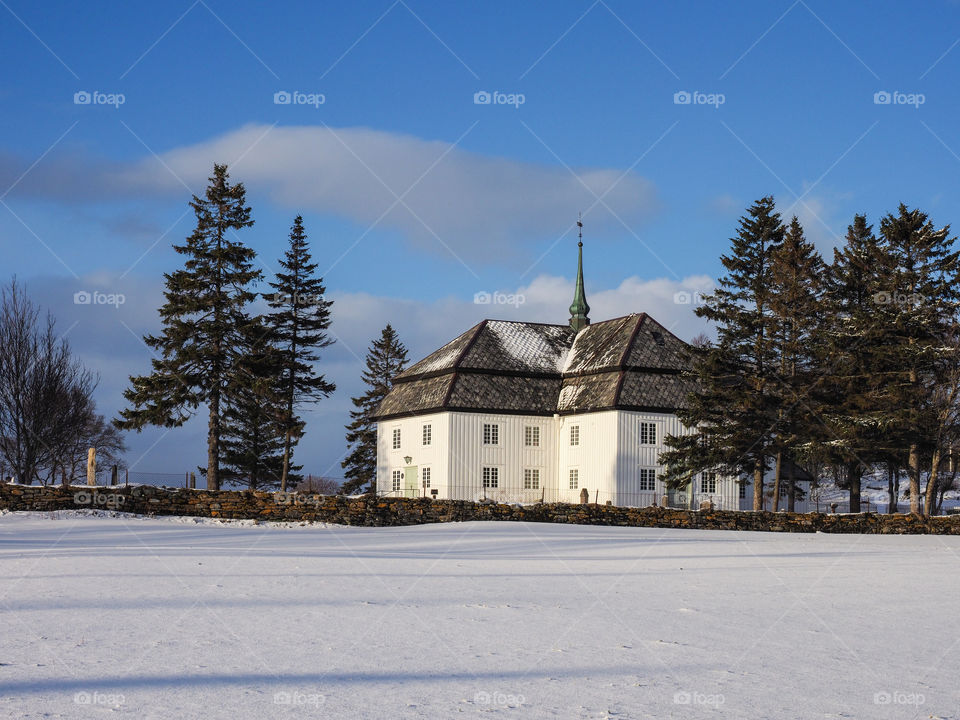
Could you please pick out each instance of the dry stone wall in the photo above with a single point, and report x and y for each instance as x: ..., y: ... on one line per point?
x: 381, y: 512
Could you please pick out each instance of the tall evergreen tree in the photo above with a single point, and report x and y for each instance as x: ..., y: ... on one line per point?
x: 733, y: 414
x: 386, y: 358
x: 795, y: 302
x: 298, y: 324
x: 255, y: 413
x: 202, y: 320
x: 854, y: 434
x: 917, y: 304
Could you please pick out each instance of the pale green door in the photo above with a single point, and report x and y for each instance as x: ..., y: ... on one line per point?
x: 410, y: 487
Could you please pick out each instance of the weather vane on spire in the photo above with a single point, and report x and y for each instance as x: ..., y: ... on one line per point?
x: 580, y: 226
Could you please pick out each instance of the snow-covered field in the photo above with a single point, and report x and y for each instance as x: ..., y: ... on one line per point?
x: 168, y: 618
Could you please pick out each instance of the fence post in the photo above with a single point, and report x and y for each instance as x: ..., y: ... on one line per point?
x: 113, y: 475
x: 126, y: 477
x: 193, y: 481
x: 92, y: 466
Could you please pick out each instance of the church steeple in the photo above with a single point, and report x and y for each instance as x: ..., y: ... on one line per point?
x: 579, y: 309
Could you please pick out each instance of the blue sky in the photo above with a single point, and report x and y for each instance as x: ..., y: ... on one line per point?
x: 415, y: 196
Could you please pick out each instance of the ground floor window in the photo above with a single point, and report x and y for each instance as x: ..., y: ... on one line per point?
x: 708, y: 482
x: 397, y: 479
x: 491, y: 477
x: 743, y: 490
x: 531, y: 478
x: 425, y: 474
x: 648, y: 479
x: 574, y: 478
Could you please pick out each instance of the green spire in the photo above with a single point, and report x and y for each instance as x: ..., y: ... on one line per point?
x: 579, y: 309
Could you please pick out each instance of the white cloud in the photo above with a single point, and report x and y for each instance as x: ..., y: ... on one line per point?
x: 478, y: 206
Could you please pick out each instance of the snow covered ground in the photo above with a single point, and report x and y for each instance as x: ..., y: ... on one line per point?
x: 107, y: 615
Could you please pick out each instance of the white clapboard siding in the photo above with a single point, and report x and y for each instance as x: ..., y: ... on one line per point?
x: 608, y: 458
x: 468, y: 457
x: 434, y: 456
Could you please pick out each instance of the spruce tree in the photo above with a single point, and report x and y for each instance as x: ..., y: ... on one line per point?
x: 255, y: 413
x: 386, y: 358
x: 795, y: 302
x: 201, y: 320
x: 854, y: 434
x: 917, y: 303
x: 733, y: 414
x: 298, y: 325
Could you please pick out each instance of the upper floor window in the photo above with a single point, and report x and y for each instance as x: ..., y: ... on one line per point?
x: 531, y: 478
x: 648, y: 433
x: 491, y: 434
x: 574, y: 434
x: 708, y: 482
x: 648, y: 479
x: 531, y: 436
x: 396, y: 438
x: 427, y: 434
x: 491, y: 477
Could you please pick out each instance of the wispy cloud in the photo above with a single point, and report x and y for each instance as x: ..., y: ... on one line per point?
x: 484, y: 208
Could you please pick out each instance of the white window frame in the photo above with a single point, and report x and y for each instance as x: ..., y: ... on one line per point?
x: 427, y: 434
x: 396, y: 438
x: 648, y: 479
x: 397, y: 481
x: 491, y: 434
x: 743, y: 490
x: 574, y: 479
x: 491, y: 477
x: 574, y: 436
x: 531, y: 436
x: 708, y: 482
x: 425, y: 477
x: 531, y: 478
x: 648, y: 433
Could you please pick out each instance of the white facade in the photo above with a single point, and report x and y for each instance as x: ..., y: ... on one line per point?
x: 613, y: 454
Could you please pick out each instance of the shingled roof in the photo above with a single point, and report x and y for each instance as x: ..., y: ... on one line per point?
x: 631, y: 362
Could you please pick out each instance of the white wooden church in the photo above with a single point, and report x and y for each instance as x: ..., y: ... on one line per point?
x: 521, y: 412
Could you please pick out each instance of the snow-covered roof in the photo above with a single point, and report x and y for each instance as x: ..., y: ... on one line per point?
x: 630, y: 362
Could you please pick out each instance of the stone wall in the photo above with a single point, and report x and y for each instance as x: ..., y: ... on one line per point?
x: 380, y: 512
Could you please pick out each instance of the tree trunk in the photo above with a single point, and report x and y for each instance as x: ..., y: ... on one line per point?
x: 286, y: 462
x: 932, y: 482
x: 758, y: 484
x: 854, y: 473
x: 213, y: 443
x: 775, y: 505
x: 913, y: 470
x: 892, y: 490
x: 791, y: 490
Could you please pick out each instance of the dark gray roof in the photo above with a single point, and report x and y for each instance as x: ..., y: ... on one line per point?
x: 630, y: 362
